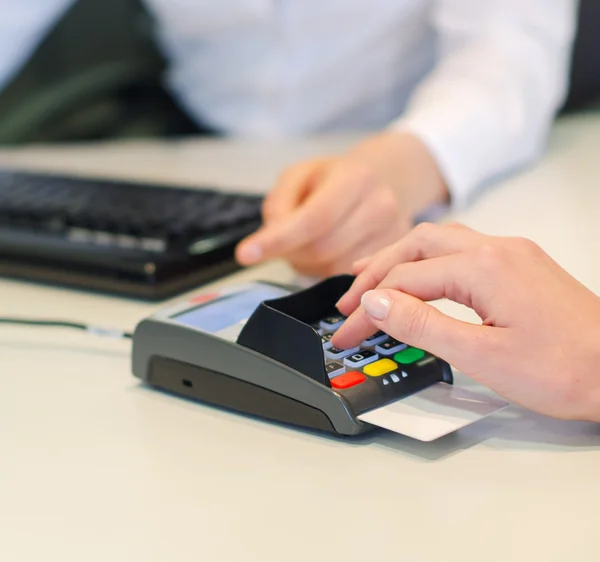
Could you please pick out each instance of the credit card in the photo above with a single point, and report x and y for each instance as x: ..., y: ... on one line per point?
x: 434, y: 412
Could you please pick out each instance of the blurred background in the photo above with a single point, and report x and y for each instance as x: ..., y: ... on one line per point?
x: 99, y: 74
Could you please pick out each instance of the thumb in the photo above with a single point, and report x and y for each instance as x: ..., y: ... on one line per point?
x: 416, y: 323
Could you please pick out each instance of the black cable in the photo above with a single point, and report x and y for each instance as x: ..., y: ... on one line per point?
x: 95, y: 330
x: 49, y: 323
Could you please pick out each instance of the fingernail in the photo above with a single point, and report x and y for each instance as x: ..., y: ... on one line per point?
x: 376, y: 304
x: 250, y: 253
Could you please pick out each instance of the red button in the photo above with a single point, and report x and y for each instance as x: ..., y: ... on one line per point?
x: 206, y: 297
x: 348, y: 379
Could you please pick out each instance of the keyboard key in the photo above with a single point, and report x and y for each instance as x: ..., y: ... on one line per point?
x: 348, y: 380
x: 335, y: 353
x: 376, y: 338
x: 360, y: 359
x: 395, y: 377
x: 325, y: 340
x: 332, y: 323
x: 104, y: 238
x: 379, y: 368
x: 80, y: 235
x: 153, y: 245
x: 409, y: 355
x: 334, y: 368
x: 390, y: 346
x: 125, y: 241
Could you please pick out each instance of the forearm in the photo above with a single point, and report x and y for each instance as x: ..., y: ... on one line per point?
x: 487, y: 107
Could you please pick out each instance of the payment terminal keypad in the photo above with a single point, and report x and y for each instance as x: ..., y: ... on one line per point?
x: 337, y: 354
x: 348, y: 380
x: 332, y: 323
x: 360, y: 359
x: 325, y: 339
x: 389, y: 346
x: 375, y: 339
x: 334, y: 368
x: 379, y: 358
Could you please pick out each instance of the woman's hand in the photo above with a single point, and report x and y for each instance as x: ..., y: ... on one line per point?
x: 326, y: 213
x: 539, y: 341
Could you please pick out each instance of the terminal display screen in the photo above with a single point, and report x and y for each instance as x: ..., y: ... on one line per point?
x: 229, y: 310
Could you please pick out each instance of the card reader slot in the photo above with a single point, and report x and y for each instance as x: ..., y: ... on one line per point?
x: 222, y: 390
x: 316, y: 302
x: 280, y: 328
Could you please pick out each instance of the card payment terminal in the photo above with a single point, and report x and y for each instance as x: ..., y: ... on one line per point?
x: 264, y: 349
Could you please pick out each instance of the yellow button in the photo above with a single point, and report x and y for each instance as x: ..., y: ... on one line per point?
x: 380, y: 368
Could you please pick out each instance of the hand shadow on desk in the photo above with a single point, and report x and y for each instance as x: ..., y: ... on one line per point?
x: 514, y: 429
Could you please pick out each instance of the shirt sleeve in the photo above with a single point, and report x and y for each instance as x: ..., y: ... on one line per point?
x: 23, y: 25
x: 486, y: 108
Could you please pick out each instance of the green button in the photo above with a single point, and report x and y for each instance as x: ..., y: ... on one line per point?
x: 409, y: 355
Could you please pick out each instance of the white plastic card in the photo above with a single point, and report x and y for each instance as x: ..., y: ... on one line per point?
x: 434, y: 412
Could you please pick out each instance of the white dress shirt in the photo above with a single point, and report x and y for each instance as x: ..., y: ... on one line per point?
x: 479, y: 81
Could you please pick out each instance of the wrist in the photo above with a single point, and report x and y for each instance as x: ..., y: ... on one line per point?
x: 406, y: 165
x: 593, y: 406
x: 592, y: 409
x: 585, y: 375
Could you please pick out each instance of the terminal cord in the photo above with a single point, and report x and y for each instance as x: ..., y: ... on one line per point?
x: 94, y: 330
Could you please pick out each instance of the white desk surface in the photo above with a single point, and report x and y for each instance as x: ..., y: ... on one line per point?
x: 96, y: 468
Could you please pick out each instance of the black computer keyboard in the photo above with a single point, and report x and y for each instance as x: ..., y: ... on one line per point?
x: 120, y: 237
